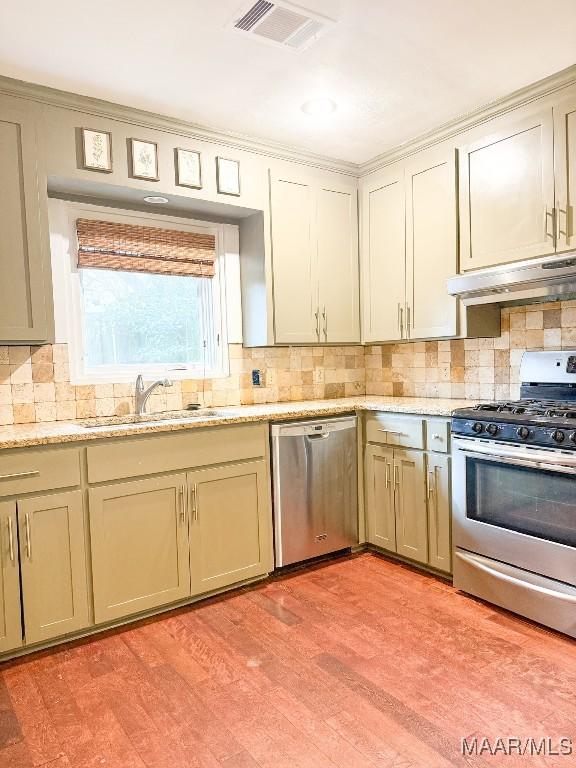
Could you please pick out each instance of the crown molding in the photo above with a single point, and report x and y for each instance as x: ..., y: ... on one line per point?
x: 452, y: 128
x: 145, y: 119
x: 99, y: 107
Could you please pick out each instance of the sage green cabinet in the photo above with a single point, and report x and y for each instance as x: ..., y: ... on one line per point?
x: 25, y: 282
x: 10, y: 623
x: 407, y: 489
x: 53, y: 565
x: 230, y: 535
x: 140, y: 546
x: 439, y: 528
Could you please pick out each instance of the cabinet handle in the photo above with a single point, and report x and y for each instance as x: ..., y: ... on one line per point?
x: 387, y: 476
x: 317, y: 316
x: 552, y: 215
x: 401, y: 319
x: 408, y: 314
x: 392, y: 432
x: 194, y: 492
x: 28, y: 536
x: 182, y: 505
x: 436, y: 436
x: 431, y: 482
x: 396, y: 475
x: 10, y: 539
x: 16, y: 475
x: 559, y: 230
x: 325, y: 318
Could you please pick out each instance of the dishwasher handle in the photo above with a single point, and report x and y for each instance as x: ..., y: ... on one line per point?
x: 319, y: 428
x: 319, y: 436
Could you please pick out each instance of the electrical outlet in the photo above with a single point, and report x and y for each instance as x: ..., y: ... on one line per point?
x: 257, y: 378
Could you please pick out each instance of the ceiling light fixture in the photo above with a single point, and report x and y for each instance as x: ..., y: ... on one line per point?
x: 156, y: 199
x: 319, y: 107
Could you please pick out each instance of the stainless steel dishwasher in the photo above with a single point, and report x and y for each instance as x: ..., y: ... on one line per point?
x: 314, y: 466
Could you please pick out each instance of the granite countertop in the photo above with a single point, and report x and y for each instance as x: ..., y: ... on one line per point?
x: 45, y: 433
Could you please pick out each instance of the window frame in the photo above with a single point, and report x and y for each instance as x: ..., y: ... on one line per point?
x: 71, y: 278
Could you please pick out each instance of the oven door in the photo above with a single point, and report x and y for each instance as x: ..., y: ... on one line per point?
x: 516, y: 504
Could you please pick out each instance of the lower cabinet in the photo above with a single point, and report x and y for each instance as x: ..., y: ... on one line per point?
x: 10, y: 624
x: 439, y: 513
x: 408, y: 503
x: 230, y: 536
x: 43, y: 550
x: 53, y: 565
x: 140, y: 545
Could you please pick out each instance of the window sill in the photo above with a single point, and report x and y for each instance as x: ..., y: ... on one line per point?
x: 122, y: 376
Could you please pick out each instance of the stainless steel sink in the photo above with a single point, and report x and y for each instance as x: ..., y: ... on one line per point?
x: 149, y: 418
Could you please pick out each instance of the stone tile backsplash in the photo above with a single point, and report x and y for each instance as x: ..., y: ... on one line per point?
x: 35, y: 381
x: 475, y: 369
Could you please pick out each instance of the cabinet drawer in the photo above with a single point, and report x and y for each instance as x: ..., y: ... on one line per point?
x: 26, y: 471
x: 183, y: 450
x: 390, y: 429
x: 438, y: 435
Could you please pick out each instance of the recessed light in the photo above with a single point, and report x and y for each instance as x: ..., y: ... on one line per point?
x: 156, y: 199
x: 319, y: 107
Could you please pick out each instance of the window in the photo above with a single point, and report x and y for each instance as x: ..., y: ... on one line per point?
x: 121, y: 322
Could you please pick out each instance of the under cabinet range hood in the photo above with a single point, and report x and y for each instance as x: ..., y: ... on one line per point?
x: 519, y: 283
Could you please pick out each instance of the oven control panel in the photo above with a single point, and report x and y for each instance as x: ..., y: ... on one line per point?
x: 530, y: 434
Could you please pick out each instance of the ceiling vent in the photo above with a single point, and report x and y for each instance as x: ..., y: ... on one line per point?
x: 281, y: 23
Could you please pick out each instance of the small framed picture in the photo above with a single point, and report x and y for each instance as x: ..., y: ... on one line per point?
x: 188, y: 168
x: 144, y: 160
x: 96, y: 150
x: 227, y: 176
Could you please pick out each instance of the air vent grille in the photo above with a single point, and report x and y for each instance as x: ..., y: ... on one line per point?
x: 253, y: 15
x: 281, y: 23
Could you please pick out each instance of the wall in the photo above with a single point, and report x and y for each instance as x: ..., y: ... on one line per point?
x: 35, y: 383
x: 476, y: 369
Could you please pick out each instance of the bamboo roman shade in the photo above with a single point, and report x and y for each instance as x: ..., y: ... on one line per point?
x: 134, y: 248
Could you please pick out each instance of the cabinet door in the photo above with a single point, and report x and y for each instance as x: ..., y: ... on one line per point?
x: 431, y: 243
x: 295, y: 282
x: 140, y: 550
x: 53, y: 565
x: 380, y: 517
x: 25, y: 285
x: 565, y: 172
x: 410, y: 505
x: 10, y: 625
x: 439, y: 522
x: 230, y: 531
x: 337, y: 231
x: 384, y: 256
x: 507, y: 193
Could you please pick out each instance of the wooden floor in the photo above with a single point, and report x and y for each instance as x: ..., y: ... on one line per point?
x: 358, y: 663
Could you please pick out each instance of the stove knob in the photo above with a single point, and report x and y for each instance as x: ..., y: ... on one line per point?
x: 558, y: 436
x: 523, y: 432
x: 492, y: 429
x: 477, y: 427
x: 573, y: 437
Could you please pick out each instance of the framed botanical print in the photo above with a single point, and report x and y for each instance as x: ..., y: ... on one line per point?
x: 188, y: 168
x: 144, y: 160
x: 96, y: 150
x: 227, y: 176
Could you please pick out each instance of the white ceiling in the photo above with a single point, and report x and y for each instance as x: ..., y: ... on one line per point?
x: 396, y: 68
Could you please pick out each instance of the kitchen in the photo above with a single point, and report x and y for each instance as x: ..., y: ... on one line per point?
x: 286, y: 373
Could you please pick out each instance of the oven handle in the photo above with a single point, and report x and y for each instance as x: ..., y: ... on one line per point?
x: 519, y: 456
x: 469, y: 560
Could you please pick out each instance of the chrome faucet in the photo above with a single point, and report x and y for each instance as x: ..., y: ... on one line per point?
x: 141, y: 395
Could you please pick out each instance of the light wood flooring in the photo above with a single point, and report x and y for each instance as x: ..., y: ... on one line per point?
x: 357, y: 663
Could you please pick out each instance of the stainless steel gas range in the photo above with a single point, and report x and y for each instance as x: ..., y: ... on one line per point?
x: 514, y: 495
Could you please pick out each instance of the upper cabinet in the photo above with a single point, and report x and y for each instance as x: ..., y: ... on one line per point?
x: 565, y: 172
x: 25, y: 284
x: 314, y: 244
x: 409, y: 249
x: 517, y: 186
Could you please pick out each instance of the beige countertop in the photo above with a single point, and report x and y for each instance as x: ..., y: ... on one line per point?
x: 45, y: 433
